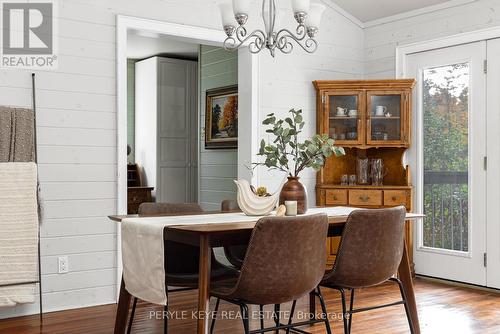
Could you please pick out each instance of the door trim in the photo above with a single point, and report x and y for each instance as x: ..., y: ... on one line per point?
x: 493, y: 143
x: 403, y: 51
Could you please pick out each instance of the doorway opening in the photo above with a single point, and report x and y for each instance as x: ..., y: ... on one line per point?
x: 197, y: 165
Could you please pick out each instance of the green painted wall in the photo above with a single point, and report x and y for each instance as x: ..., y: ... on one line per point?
x: 218, y: 168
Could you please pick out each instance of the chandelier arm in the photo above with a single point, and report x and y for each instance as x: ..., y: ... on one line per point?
x: 241, y: 33
x: 259, y: 42
x: 310, y: 45
x: 301, y: 31
x: 284, y: 45
x: 300, y: 36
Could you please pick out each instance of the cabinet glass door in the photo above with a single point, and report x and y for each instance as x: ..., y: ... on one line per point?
x: 345, y: 112
x: 386, y: 118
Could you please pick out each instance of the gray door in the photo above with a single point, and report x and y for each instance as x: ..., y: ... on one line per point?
x: 177, y: 110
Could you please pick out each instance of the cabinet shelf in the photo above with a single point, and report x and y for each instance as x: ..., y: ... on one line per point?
x: 387, y: 118
x: 343, y: 117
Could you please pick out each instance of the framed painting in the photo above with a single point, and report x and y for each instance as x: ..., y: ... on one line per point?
x: 221, y: 118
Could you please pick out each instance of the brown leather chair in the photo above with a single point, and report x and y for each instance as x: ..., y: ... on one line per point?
x: 285, y: 260
x: 229, y: 205
x: 369, y: 254
x: 181, y: 260
x: 235, y: 253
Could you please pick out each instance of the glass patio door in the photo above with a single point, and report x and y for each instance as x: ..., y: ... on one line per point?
x: 450, y: 157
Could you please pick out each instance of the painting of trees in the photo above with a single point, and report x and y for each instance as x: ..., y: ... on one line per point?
x: 216, y: 111
x: 229, y: 120
x: 222, y: 118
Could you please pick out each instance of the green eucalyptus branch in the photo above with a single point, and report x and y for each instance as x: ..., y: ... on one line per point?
x: 311, y: 153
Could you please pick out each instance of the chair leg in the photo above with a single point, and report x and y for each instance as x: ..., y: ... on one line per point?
x: 215, y: 316
x: 277, y: 316
x: 324, y: 311
x: 344, y: 311
x: 292, y: 311
x: 131, y: 321
x: 405, y: 300
x: 244, y: 317
x: 351, y: 305
x: 165, y: 319
x: 261, y: 309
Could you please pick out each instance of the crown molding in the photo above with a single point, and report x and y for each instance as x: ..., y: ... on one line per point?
x: 343, y: 12
x: 417, y: 12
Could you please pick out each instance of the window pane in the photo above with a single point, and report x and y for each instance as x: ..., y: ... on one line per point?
x: 385, y: 117
x: 344, y: 117
x: 446, y: 108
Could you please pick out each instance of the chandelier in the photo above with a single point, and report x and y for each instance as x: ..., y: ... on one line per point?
x: 307, y: 14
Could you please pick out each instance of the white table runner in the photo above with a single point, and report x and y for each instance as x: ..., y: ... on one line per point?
x: 143, y: 248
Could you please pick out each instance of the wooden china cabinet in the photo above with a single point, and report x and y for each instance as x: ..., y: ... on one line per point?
x: 371, y: 119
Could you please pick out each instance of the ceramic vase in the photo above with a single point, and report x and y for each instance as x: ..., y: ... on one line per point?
x: 294, y: 190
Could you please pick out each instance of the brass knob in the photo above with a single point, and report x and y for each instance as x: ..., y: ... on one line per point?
x: 364, y: 198
x: 334, y: 198
x: 394, y: 198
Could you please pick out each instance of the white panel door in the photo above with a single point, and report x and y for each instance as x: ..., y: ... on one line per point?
x: 177, y: 91
x: 493, y: 188
x: 448, y: 159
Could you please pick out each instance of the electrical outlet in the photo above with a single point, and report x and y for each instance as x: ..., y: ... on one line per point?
x: 63, y: 264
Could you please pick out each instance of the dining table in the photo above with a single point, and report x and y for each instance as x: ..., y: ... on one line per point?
x: 213, y: 234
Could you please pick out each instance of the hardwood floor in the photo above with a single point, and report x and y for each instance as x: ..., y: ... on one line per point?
x: 443, y: 309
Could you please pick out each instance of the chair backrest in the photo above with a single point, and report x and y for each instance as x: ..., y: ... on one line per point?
x: 285, y: 260
x: 179, y: 257
x: 229, y: 205
x: 168, y: 208
x: 370, y: 249
x: 234, y: 253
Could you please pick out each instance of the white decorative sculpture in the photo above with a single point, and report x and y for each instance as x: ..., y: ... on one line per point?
x: 252, y: 204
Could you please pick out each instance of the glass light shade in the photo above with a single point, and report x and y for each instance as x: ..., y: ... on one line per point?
x: 241, y: 7
x: 314, y: 16
x: 226, y: 12
x: 301, y: 6
x: 268, y: 15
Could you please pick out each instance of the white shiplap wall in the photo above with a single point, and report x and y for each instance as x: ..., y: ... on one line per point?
x: 77, y: 129
x: 218, y: 167
x: 381, y: 40
x: 286, y: 81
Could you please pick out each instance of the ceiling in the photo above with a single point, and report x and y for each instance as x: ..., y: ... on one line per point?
x: 369, y: 10
x: 142, y: 45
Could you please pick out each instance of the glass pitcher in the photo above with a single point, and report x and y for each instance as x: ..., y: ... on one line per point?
x: 363, y: 170
x: 378, y: 172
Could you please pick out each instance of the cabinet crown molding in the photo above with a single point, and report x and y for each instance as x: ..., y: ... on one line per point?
x: 365, y: 84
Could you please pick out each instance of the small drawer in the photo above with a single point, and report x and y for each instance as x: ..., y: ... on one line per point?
x: 336, y: 197
x: 394, y: 197
x: 365, y: 197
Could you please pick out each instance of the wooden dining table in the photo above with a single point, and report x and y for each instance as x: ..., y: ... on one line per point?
x: 207, y: 236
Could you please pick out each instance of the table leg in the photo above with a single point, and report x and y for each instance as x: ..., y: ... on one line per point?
x: 122, y: 310
x: 204, y: 285
x: 406, y: 278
